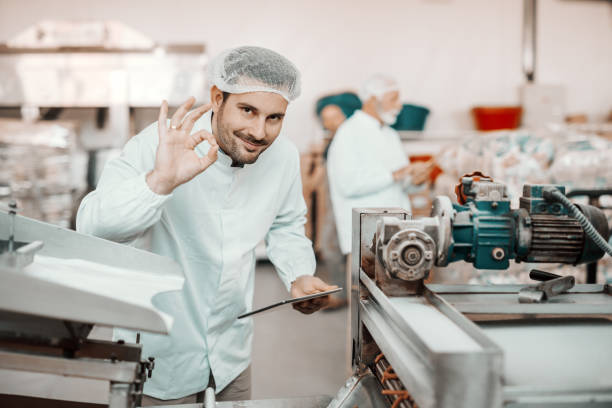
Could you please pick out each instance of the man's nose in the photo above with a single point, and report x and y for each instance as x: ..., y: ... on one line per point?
x: 258, y: 129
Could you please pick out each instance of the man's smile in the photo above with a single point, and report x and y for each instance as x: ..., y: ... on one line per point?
x: 250, y: 145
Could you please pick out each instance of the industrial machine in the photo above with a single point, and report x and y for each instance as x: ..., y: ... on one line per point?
x: 545, y: 344
x: 55, y: 286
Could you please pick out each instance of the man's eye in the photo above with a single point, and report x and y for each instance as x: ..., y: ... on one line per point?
x: 274, y: 117
x: 247, y: 110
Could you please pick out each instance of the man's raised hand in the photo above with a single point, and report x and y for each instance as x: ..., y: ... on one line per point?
x: 176, y: 161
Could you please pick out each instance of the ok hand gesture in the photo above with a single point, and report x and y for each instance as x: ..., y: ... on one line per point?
x: 176, y: 161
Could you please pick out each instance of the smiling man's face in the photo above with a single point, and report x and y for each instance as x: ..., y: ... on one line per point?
x: 245, y: 125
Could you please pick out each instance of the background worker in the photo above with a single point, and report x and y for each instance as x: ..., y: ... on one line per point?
x: 367, y: 164
x: 332, y: 111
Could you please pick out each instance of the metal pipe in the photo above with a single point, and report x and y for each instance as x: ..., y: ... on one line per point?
x: 529, y: 39
x: 209, y: 398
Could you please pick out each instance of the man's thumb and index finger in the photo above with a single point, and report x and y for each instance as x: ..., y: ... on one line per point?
x: 193, y: 116
x: 211, y: 155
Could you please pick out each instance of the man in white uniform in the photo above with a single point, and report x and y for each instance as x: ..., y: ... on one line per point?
x: 367, y: 165
x: 206, y: 188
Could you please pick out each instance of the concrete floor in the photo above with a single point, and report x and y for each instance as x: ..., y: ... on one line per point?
x: 295, y: 354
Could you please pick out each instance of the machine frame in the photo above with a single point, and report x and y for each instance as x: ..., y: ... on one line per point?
x: 383, y: 320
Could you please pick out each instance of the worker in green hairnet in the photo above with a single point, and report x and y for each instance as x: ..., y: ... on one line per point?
x: 332, y: 110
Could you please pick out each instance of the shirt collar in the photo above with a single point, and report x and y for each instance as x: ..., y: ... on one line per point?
x: 369, y: 118
x: 223, y: 158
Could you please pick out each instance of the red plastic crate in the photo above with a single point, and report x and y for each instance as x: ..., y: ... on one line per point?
x: 497, y: 117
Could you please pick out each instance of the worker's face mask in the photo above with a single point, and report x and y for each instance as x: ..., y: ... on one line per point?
x: 389, y: 117
x: 388, y: 107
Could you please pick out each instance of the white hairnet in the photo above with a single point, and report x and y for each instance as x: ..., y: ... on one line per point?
x: 377, y: 85
x: 254, y: 69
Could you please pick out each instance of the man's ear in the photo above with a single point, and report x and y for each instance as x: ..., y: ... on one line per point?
x: 216, y: 98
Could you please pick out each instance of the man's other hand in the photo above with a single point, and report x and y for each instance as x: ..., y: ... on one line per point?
x: 309, y: 285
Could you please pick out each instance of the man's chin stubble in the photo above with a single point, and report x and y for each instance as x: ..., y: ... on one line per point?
x: 240, y: 160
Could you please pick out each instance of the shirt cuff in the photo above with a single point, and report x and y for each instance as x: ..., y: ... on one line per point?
x: 154, y: 199
x: 380, y: 181
x: 297, y: 269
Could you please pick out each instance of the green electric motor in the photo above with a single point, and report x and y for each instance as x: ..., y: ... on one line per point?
x: 488, y: 233
x: 484, y: 230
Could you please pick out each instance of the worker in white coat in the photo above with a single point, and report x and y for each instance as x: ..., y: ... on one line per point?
x: 205, y: 188
x: 367, y: 165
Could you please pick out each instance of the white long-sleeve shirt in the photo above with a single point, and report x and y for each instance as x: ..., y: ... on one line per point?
x: 362, y: 158
x: 210, y: 226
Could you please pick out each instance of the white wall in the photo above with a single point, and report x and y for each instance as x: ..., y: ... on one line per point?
x: 447, y: 54
x: 575, y: 49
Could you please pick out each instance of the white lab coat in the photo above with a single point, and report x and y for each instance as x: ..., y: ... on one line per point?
x: 362, y: 158
x: 210, y: 226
